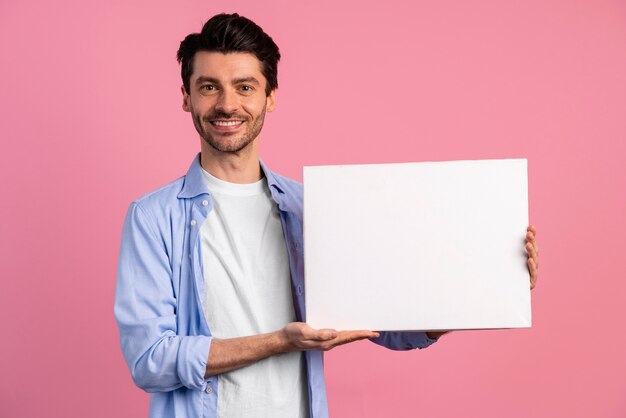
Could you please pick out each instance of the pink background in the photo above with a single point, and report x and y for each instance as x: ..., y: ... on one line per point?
x: 91, y: 118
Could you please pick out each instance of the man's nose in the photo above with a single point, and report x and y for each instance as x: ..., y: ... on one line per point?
x: 227, y: 102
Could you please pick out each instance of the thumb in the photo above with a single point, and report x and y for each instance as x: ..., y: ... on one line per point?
x: 326, y: 334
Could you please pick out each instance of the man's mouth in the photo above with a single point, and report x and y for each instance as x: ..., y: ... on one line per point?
x: 226, y: 123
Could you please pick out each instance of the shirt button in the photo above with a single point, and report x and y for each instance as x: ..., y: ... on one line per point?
x: 193, y: 222
x: 205, y: 202
x: 299, y: 289
x: 209, y: 389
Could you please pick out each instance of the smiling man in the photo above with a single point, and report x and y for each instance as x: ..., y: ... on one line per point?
x: 209, y: 299
x: 227, y: 100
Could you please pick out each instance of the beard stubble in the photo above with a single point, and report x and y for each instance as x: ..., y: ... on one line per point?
x: 236, y: 144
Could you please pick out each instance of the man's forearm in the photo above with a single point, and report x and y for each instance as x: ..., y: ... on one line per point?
x: 233, y: 353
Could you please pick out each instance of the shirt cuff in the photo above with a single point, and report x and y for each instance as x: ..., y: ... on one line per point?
x: 408, y: 340
x: 193, y: 356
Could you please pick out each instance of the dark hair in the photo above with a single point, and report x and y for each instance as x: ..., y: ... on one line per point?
x: 231, y: 33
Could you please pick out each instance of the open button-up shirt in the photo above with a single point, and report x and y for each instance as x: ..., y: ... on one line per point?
x: 164, y: 336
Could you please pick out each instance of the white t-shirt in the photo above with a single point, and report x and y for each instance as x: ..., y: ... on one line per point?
x: 248, y: 292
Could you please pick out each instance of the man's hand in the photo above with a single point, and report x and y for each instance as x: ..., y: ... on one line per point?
x: 301, y: 337
x: 532, y: 252
x: 232, y: 353
x: 533, y: 265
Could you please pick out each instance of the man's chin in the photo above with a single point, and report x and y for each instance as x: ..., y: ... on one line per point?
x: 232, y: 147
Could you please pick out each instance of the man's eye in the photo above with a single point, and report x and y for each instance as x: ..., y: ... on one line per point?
x: 246, y: 88
x: 207, y: 87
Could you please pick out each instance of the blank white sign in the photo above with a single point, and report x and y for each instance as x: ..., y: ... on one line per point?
x: 417, y: 246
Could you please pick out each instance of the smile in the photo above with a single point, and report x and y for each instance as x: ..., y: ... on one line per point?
x: 226, y: 122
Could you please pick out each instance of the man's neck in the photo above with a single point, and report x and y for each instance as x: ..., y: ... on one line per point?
x: 241, y: 167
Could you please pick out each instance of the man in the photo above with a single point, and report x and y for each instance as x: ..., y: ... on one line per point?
x: 209, y: 299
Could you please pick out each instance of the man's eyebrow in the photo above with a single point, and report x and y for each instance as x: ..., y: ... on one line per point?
x: 205, y: 79
x: 246, y: 80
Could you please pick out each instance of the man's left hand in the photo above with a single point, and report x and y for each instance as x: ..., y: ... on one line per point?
x: 532, y: 252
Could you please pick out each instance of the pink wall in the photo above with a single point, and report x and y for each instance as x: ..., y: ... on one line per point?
x: 90, y: 116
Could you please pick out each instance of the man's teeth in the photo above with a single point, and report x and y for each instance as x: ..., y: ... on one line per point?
x: 226, y: 123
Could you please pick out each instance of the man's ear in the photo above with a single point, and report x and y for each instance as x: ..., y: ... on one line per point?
x: 186, y: 98
x: 271, y: 101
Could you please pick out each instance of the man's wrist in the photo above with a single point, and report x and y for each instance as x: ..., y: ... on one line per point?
x: 282, y: 342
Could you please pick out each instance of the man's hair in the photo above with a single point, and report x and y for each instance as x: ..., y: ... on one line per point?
x: 228, y: 33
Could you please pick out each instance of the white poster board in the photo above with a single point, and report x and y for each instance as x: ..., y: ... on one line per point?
x: 417, y: 246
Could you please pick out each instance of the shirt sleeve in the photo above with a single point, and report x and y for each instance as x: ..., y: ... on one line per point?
x: 403, y: 340
x: 145, y: 310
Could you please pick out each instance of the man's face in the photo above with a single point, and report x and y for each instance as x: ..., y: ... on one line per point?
x: 227, y: 99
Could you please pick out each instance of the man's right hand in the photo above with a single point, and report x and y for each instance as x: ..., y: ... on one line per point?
x: 301, y: 337
x: 232, y: 353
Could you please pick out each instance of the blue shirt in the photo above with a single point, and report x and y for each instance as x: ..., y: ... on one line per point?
x: 160, y: 291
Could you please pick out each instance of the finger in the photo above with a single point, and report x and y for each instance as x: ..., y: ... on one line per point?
x: 371, y: 334
x: 345, y: 337
x: 303, y: 331
x: 351, y: 339
x: 356, y: 335
x: 530, y: 238
x: 321, y: 334
x: 532, y: 253
x: 532, y: 268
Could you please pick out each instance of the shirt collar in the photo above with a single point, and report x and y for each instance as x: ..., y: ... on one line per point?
x: 195, y: 184
x: 271, y: 180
